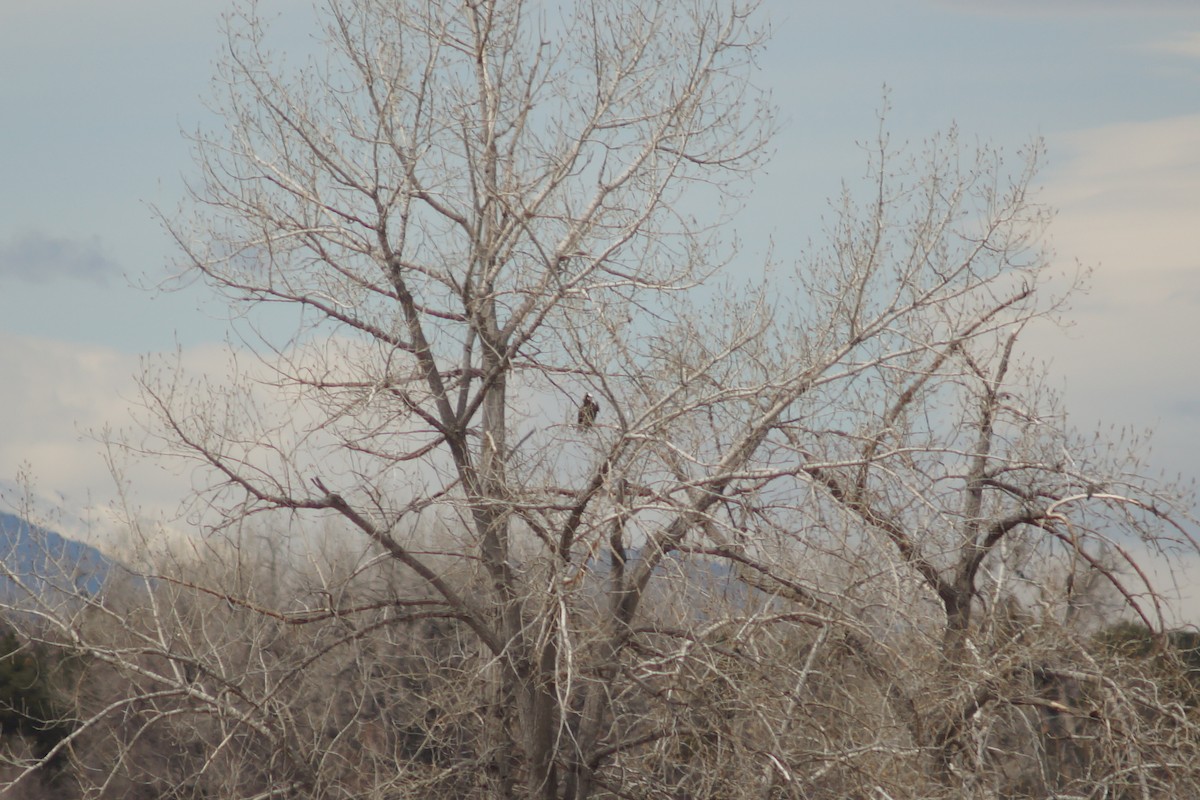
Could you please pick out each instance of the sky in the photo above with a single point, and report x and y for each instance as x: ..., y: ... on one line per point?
x: 95, y: 97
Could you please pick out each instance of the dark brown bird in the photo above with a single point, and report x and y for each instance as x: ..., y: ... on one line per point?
x: 588, y: 410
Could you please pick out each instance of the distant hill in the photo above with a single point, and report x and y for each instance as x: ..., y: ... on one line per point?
x: 46, y: 563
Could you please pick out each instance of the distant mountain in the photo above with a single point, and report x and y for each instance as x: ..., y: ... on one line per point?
x: 39, y: 561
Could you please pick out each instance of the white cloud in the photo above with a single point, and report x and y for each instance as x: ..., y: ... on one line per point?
x: 61, y: 397
x: 1044, y: 8
x: 1185, y: 44
x: 1128, y: 207
x: 1127, y: 199
x: 1130, y: 164
x: 67, y: 399
x: 57, y: 391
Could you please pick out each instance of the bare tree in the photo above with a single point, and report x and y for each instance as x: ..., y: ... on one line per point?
x: 823, y: 536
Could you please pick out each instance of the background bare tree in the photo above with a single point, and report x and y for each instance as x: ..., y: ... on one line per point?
x: 827, y: 535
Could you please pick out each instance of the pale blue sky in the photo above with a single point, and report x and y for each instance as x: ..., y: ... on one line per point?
x: 93, y: 97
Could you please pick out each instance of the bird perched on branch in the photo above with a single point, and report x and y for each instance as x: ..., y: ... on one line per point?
x: 588, y: 410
